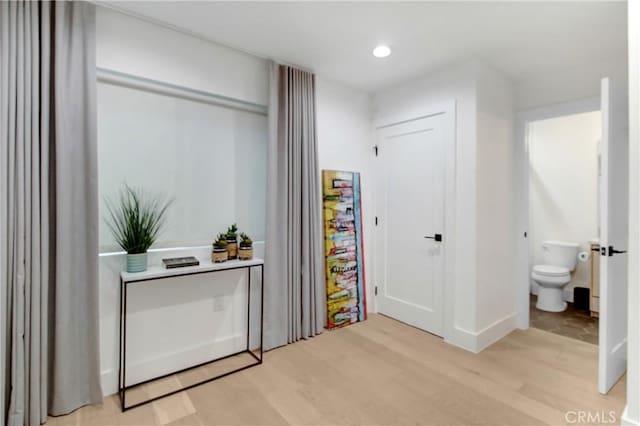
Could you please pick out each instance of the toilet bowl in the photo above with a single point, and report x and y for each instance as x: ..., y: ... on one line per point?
x: 560, y: 260
x: 551, y: 281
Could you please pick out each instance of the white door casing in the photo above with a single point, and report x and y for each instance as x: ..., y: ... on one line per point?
x: 614, y: 230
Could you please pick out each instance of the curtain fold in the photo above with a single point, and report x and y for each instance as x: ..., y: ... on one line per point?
x: 294, y: 279
x: 49, y: 198
x: 74, y: 371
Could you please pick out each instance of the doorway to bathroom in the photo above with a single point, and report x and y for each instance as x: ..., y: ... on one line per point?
x: 563, y: 224
x: 573, y: 216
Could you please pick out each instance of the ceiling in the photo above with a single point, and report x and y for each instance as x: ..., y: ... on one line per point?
x: 335, y: 39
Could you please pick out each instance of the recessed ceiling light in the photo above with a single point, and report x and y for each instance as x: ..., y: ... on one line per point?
x: 381, y: 51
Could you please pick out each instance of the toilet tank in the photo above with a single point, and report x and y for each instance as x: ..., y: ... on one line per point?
x: 560, y: 253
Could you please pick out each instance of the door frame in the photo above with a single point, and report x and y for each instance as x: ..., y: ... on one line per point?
x: 523, y: 118
x: 448, y: 110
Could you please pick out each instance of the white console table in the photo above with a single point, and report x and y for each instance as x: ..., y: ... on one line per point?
x: 158, y: 273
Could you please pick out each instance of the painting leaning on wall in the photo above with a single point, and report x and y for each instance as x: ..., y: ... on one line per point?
x: 346, y: 299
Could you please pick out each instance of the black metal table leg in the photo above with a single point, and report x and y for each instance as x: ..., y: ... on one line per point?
x: 248, y: 307
x: 120, y: 358
x: 261, y: 311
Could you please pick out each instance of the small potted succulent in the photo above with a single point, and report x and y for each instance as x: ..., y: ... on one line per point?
x: 219, y: 253
x: 136, y: 221
x: 232, y: 241
x: 245, y: 251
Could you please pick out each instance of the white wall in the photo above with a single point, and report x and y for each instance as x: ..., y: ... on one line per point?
x: 137, y: 47
x: 495, y: 206
x: 345, y: 143
x: 632, y: 411
x: 484, y: 307
x: 455, y: 83
x: 194, y: 148
x: 211, y: 308
x: 568, y: 84
x: 133, y: 46
x: 563, y: 185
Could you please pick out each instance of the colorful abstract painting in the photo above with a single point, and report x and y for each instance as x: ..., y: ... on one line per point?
x: 346, y: 299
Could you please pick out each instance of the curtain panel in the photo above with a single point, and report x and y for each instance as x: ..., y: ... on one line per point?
x: 48, y: 195
x: 294, y: 275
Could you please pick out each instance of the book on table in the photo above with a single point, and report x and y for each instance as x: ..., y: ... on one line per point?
x: 180, y: 262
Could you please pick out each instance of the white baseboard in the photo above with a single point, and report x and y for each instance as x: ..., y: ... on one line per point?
x: 496, y: 331
x: 462, y: 338
x: 138, y: 371
x: 477, y: 341
x: 109, y: 382
x: 625, y: 420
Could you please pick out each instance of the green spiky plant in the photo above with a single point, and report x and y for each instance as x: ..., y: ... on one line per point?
x: 137, y: 219
x: 232, y: 232
x: 245, y: 240
x: 220, y: 242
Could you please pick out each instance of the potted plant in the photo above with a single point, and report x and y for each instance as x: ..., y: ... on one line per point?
x: 245, y: 251
x: 220, y: 253
x: 232, y: 241
x: 136, y: 221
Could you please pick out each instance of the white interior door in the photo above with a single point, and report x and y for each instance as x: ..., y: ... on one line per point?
x: 614, y: 229
x: 410, y: 208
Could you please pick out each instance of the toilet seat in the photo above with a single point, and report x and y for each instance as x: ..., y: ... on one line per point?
x: 551, y: 271
x: 551, y: 275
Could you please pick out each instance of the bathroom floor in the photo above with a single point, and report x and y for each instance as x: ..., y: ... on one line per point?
x: 570, y: 323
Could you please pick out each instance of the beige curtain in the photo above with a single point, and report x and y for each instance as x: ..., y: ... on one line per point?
x: 294, y: 277
x: 48, y: 194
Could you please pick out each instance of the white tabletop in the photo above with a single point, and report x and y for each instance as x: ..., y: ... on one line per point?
x: 205, y: 266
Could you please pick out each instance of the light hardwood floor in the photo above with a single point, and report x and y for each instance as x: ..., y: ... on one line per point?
x: 382, y: 372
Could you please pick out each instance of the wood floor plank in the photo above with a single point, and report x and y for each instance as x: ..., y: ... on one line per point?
x: 383, y: 372
x: 480, y: 377
x: 192, y: 420
x: 175, y: 407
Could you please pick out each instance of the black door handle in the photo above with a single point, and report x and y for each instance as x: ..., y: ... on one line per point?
x: 436, y: 237
x: 613, y: 251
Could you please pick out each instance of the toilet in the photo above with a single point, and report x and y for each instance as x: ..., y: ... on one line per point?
x: 560, y: 259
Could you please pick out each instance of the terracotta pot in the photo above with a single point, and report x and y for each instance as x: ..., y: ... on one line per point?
x: 232, y: 248
x: 245, y: 253
x: 219, y: 255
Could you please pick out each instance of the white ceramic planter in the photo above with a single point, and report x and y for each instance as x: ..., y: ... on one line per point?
x: 137, y: 262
